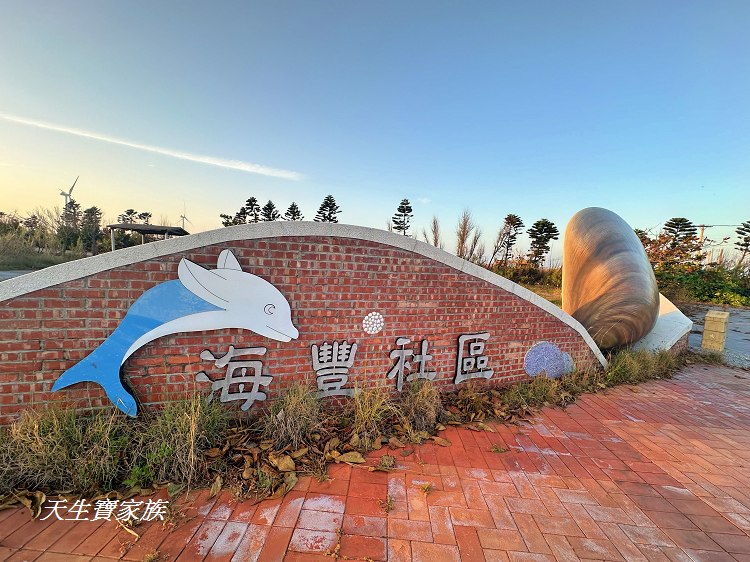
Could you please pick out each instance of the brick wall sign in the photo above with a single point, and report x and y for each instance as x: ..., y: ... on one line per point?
x: 244, y: 312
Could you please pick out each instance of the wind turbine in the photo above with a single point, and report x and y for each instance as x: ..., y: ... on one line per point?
x: 67, y: 195
x: 183, y: 217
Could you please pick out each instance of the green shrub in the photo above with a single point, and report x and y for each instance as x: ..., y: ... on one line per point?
x: 714, y: 283
x: 731, y: 298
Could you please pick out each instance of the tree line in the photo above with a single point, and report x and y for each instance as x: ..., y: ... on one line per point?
x: 468, y: 235
x: 691, y: 267
x: 72, y: 230
x: 687, y: 265
x: 252, y: 212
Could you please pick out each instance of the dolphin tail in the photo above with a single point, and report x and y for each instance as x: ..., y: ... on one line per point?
x: 102, y: 367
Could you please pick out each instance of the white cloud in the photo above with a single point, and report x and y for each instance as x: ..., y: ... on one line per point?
x: 210, y: 160
x: 424, y: 200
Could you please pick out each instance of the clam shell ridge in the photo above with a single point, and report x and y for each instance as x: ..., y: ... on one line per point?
x: 607, y: 281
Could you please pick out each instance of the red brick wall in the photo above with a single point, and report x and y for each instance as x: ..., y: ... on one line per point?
x: 331, y: 284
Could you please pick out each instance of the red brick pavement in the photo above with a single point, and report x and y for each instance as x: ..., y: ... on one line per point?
x: 658, y: 472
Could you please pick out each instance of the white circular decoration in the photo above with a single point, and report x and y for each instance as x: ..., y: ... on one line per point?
x: 373, y: 323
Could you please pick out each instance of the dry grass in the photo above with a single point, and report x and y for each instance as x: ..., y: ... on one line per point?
x: 293, y: 417
x: 386, y: 462
x: 169, y: 445
x: 420, y: 407
x: 370, y: 410
x: 56, y: 449
x: 548, y: 292
x: 632, y: 367
x: 473, y: 402
x: 703, y: 356
x: 473, y: 399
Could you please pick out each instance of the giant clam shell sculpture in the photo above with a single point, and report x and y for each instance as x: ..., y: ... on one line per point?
x: 607, y: 281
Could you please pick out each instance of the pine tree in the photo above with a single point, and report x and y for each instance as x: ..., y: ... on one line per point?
x: 679, y: 228
x: 293, y: 213
x: 70, y: 224
x: 269, y: 212
x: 128, y: 217
x: 252, y: 210
x: 542, y: 232
x: 240, y: 217
x: 328, y: 210
x: 145, y: 216
x: 743, y: 245
x: 249, y: 212
x: 402, y: 217
x: 512, y: 226
x: 91, y: 228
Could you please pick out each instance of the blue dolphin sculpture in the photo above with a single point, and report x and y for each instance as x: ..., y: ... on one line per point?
x: 200, y: 299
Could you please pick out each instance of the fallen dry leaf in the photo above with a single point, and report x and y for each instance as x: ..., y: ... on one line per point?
x: 299, y: 453
x: 352, y: 456
x: 283, y: 463
x: 216, y: 486
x: 394, y: 443
x: 441, y: 441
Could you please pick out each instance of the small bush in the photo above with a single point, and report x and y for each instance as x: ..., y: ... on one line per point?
x: 293, y: 417
x: 370, y: 410
x: 421, y: 406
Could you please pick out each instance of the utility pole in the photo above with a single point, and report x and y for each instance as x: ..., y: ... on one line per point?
x: 705, y: 226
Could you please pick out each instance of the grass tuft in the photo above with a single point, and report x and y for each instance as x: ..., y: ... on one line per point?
x: 57, y: 449
x: 293, y: 417
x: 170, y: 443
x: 632, y: 367
x: 370, y: 409
x: 421, y: 406
x: 54, y: 449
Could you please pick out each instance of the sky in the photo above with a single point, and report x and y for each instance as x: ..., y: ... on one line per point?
x: 537, y: 108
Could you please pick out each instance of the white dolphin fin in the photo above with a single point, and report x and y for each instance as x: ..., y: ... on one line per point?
x: 227, y: 260
x: 208, y: 285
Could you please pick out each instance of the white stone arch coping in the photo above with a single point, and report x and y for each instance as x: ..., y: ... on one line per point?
x: 78, y: 269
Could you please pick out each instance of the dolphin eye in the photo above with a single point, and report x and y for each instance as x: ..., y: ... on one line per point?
x: 269, y: 309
